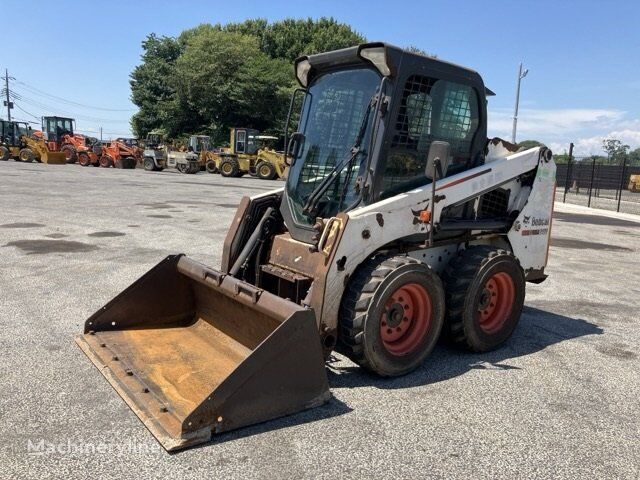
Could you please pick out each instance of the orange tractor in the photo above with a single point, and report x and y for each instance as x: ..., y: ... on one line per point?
x: 59, y: 135
x: 114, y: 153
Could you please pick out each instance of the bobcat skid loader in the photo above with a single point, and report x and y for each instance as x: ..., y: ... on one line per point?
x: 399, y: 222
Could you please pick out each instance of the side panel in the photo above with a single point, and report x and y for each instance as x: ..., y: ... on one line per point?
x: 529, y: 236
x: 371, y: 227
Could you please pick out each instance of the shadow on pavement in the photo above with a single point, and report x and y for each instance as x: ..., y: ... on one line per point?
x: 538, y: 329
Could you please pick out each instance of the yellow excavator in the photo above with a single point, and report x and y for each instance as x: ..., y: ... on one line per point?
x: 18, y: 141
x: 399, y: 222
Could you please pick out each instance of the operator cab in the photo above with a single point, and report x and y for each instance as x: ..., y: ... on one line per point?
x: 199, y: 143
x: 12, y: 132
x: 369, y: 116
x: 54, y: 128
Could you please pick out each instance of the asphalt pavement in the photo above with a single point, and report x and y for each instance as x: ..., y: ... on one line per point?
x: 559, y: 400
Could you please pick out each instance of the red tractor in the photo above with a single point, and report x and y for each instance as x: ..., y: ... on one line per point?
x: 58, y: 133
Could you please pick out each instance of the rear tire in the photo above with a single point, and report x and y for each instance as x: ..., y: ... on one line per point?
x: 5, y: 154
x: 229, y: 167
x: 26, y: 155
x: 391, y: 315
x: 485, y: 289
x: 265, y: 171
x: 69, y: 154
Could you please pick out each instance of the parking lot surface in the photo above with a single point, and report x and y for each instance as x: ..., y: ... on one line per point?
x: 559, y: 400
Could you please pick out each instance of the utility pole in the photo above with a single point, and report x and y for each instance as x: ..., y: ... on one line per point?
x: 8, y: 103
x: 100, y: 133
x: 521, y: 74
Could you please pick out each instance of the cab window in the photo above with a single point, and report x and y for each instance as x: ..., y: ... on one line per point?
x: 430, y: 109
x: 241, y: 141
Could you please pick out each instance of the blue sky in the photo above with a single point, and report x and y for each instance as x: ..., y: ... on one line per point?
x: 583, y: 55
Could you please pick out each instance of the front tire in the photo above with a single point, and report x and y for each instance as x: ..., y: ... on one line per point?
x: 149, y: 164
x: 265, y: 171
x: 211, y: 167
x: 485, y: 289
x: 84, y: 159
x: 26, y: 155
x: 105, y: 161
x: 5, y: 154
x: 391, y: 315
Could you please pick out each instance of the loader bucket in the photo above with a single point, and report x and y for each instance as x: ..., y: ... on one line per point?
x: 53, y: 158
x: 194, y: 352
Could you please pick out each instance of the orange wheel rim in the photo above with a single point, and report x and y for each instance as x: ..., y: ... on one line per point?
x: 406, y: 319
x: 496, y: 302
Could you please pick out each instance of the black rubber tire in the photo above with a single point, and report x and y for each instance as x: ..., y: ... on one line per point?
x: 70, y: 153
x: 149, y: 164
x: 362, y: 306
x: 229, y: 167
x: 464, y: 281
x: 26, y: 155
x: 183, y: 168
x: 265, y: 171
x: 105, y: 161
x: 5, y: 153
x: 211, y: 167
x: 84, y: 159
x: 130, y: 163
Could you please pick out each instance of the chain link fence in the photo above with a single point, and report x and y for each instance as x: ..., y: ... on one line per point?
x: 594, y: 183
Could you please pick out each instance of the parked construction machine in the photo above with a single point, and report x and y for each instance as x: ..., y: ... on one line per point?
x: 17, y: 140
x: 207, y: 156
x: 398, y: 222
x: 248, y: 153
x: 60, y: 137
x: 111, y: 154
x: 634, y: 183
x: 158, y: 155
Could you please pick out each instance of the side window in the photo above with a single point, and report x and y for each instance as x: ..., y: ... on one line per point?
x: 430, y: 109
x: 241, y: 137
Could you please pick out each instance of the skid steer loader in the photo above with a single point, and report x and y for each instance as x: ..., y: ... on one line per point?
x: 398, y: 222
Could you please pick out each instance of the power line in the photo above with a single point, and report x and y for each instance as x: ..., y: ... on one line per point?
x: 42, y: 93
x: 45, y: 106
x: 30, y: 114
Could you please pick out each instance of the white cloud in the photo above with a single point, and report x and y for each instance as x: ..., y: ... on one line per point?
x: 593, y: 145
x: 585, y: 127
x: 551, y: 122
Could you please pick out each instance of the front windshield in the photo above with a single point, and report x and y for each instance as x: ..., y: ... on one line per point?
x: 333, y: 114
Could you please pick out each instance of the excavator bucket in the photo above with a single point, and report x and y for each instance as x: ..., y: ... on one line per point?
x: 194, y: 352
x: 53, y: 158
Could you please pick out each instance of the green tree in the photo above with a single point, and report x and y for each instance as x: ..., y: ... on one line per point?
x: 615, y: 149
x: 151, y: 82
x: 213, y: 77
x: 223, y: 79
x: 526, y: 144
x: 634, y: 157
